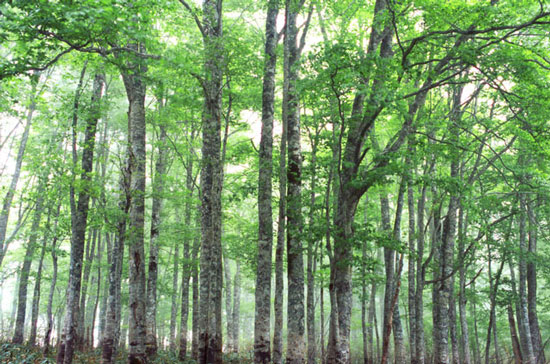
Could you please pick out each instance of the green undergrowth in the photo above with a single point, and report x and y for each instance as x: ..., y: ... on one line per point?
x: 22, y: 354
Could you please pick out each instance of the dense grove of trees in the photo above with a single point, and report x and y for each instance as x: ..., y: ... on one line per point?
x: 275, y: 181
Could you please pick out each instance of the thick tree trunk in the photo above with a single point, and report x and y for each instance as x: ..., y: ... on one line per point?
x: 135, y: 91
x: 79, y: 223
x: 10, y: 193
x: 295, y: 261
x: 156, y: 211
x: 262, y: 317
x: 27, y: 262
x: 211, y: 277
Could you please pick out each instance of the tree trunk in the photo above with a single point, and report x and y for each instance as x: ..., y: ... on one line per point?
x: 228, y: 307
x: 262, y: 315
x: 279, y: 250
x: 27, y: 262
x: 464, y: 338
x: 236, y: 311
x: 175, y: 291
x: 295, y: 262
x: 514, y: 335
x: 135, y: 91
x: 156, y: 211
x: 524, y: 327
x: 89, y: 257
x: 79, y: 223
x: 10, y: 193
x: 211, y: 277
x: 536, y: 337
x: 49, y: 312
x: 37, y: 284
x: 187, y: 263
x: 195, y: 290
x: 110, y: 337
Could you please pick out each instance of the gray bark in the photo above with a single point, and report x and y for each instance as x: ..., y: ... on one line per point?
x: 37, y: 284
x: 464, y: 338
x: 228, y: 306
x: 79, y: 217
x: 211, y: 277
x: 156, y: 211
x: 262, y: 315
x: 295, y: 262
x: 27, y: 262
x: 135, y: 92
x: 174, y: 306
x: 53, y: 283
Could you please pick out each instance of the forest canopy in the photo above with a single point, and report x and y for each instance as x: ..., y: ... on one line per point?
x: 274, y: 181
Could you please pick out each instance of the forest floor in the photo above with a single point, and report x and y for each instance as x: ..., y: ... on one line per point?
x: 21, y: 354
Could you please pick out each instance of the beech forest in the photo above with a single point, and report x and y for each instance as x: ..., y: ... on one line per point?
x: 275, y: 181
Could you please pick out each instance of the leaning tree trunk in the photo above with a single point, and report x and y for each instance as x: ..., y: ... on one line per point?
x: 10, y: 193
x: 79, y: 223
x: 27, y: 261
x: 156, y: 211
x: 262, y: 317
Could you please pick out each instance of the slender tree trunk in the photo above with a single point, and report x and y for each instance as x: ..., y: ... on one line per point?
x: 27, y: 262
x: 188, y: 265
x: 419, y: 294
x: 236, y: 311
x: 524, y: 328
x: 10, y: 193
x: 464, y: 338
x: 79, y: 223
x: 174, y: 306
x: 411, y: 270
x: 156, y: 211
x: 53, y: 283
x: 89, y: 257
x: 532, y: 286
x: 37, y: 284
x: 196, y: 300
x: 279, y: 251
x: 228, y: 306
x: 262, y: 317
